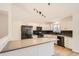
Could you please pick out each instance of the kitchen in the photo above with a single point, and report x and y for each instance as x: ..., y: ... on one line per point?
x: 35, y: 22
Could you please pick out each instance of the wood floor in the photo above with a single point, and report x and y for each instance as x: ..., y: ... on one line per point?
x: 61, y: 51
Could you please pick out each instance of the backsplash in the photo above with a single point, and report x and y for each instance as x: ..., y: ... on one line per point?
x: 66, y: 33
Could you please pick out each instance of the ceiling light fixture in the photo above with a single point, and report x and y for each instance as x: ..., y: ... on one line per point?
x: 49, y: 4
x: 34, y: 9
x: 39, y: 12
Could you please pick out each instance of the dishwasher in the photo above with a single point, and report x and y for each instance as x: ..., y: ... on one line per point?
x: 60, y: 41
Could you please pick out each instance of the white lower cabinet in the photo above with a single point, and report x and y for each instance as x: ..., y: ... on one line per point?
x: 45, y: 49
x: 29, y: 51
x: 68, y: 42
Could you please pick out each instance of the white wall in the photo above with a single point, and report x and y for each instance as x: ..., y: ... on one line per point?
x: 4, y: 40
x: 75, y: 40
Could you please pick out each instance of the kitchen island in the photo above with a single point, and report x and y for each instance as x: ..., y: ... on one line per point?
x: 30, y: 47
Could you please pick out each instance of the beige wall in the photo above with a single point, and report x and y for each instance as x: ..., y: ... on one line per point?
x: 3, y: 24
x: 4, y: 6
x: 4, y: 9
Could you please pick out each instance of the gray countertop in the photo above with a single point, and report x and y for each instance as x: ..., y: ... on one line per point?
x: 18, y: 44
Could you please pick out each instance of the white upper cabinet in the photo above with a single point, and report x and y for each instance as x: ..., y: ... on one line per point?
x: 66, y: 23
x: 46, y: 27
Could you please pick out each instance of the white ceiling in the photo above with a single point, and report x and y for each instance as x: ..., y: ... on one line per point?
x: 54, y: 12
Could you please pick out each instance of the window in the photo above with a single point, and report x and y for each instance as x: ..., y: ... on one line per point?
x: 56, y: 28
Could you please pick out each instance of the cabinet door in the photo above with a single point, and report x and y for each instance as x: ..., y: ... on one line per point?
x: 66, y: 23
x: 29, y: 51
x: 68, y: 42
x: 46, y: 49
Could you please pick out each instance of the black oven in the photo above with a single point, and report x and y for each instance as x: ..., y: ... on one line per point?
x: 60, y: 41
x: 39, y: 32
x: 26, y: 32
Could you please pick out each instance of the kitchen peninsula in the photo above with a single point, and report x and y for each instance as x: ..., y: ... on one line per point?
x: 30, y: 47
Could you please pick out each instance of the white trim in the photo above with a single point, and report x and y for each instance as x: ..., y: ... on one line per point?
x: 3, y: 43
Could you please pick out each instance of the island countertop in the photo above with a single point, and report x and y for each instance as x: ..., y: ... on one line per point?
x: 18, y: 44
